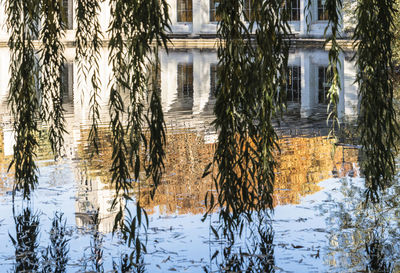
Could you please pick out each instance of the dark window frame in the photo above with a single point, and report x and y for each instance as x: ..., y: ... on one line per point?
x: 322, y: 12
x: 293, y: 84
x: 185, y: 80
x: 323, y: 84
x: 184, y: 11
x: 213, y: 10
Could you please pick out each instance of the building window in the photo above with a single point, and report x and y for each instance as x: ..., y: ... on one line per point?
x: 185, y: 13
x: 322, y: 12
x: 213, y: 79
x: 248, y: 11
x: 66, y: 82
x: 293, y: 84
x: 213, y: 10
x: 293, y: 10
x: 185, y: 80
x: 323, y: 84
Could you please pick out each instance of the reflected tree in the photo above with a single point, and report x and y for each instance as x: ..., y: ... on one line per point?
x: 55, y: 257
x: 377, y: 261
x: 251, y: 58
x: 26, y: 241
x: 256, y: 257
x: 364, y: 237
x: 378, y: 127
x: 96, y: 245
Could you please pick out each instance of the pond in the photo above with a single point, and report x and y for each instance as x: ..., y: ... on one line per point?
x: 319, y: 223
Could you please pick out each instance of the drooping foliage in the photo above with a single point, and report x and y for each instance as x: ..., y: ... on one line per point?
x: 52, y: 60
x: 252, y: 57
x: 134, y: 27
x: 377, y: 119
x: 332, y: 32
x: 22, y: 25
x: 88, y: 45
x: 247, y: 99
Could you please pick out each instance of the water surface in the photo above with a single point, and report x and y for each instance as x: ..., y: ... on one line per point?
x: 318, y: 225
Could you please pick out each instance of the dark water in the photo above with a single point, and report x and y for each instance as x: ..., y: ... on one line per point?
x: 319, y: 222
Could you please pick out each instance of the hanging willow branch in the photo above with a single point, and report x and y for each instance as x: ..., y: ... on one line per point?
x: 52, y: 61
x: 378, y: 128
x: 88, y: 46
x: 334, y: 10
x: 247, y: 99
x: 22, y: 23
x: 156, y: 124
x: 134, y: 27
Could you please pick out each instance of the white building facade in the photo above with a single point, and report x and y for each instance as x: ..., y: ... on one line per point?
x: 197, y: 18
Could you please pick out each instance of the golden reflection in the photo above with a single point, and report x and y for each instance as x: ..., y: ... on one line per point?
x: 302, y: 164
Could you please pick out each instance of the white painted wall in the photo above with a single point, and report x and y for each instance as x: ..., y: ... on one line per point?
x: 201, y: 24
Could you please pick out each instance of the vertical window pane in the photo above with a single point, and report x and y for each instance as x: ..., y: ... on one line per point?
x: 322, y: 12
x: 66, y: 13
x: 293, y: 7
x: 247, y: 10
x: 323, y: 84
x: 213, y: 10
x: 213, y: 79
x: 184, y: 11
x: 293, y: 84
x: 185, y: 80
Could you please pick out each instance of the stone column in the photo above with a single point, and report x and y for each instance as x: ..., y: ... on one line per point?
x: 350, y: 89
x: 4, y: 72
x: 303, y: 16
x: 307, y: 98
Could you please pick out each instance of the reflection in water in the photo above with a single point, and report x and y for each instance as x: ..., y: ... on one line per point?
x: 96, y: 245
x: 188, y: 80
x: 256, y: 256
x: 55, y: 257
x: 364, y: 236
x: 26, y: 241
x: 377, y: 261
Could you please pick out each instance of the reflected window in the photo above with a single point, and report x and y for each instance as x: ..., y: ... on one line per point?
x: 293, y: 84
x: 67, y: 13
x: 323, y: 84
x: 248, y: 10
x: 185, y: 80
x: 213, y: 79
x: 213, y: 10
x: 185, y: 13
x: 66, y: 82
x: 322, y: 12
x: 293, y: 7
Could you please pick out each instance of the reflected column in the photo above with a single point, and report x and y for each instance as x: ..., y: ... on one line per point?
x: 201, y: 79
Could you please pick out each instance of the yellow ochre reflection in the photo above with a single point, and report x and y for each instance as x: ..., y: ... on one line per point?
x: 302, y: 164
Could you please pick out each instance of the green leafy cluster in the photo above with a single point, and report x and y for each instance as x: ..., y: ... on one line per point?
x: 52, y: 61
x: 88, y: 45
x: 22, y: 24
x: 247, y: 98
x: 135, y: 27
x: 378, y: 127
x: 334, y: 9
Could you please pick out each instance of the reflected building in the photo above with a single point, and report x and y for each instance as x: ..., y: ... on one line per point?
x: 188, y: 80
